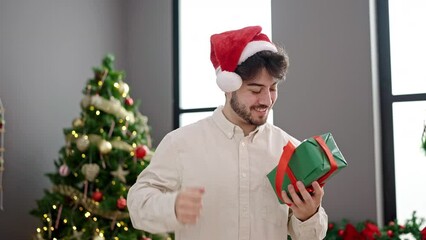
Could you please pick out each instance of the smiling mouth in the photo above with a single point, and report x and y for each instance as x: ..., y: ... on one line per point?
x: 260, y: 109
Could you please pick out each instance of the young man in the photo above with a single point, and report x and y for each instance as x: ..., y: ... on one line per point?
x: 208, y: 180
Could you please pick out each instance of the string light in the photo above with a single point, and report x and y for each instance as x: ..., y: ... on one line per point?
x: 101, y: 130
x: 95, y: 219
x: 91, y: 108
x: 100, y: 83
x: 116, y: 85
x: 87, y: 214
x: 54, y: 206
x: 65, y: 220
x: 98, y: 112
x: 83, y: 155
x: 38, y: 230
x: 124, y: 128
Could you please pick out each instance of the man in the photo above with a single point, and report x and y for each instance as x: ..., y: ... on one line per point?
x: 208, y: 180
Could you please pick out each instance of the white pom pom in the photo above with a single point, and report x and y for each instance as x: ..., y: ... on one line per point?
x: 228, y: 81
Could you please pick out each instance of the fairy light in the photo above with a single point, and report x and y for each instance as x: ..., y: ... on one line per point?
x: 132, y: 154
x: 54, y: 206
x: 52, y: 229
x: 118, y: 224
x: 87, y: 214
x: 101, y: 130
x: 45, y: 215
x: 45, y: 229
x: 120, y: 120
x: 74, y: 228
x: 83, y: 155
x: 127, y: 117
x: 98, y: 112
x: 75, y: 174
x: 75, y: 198
x: 126, y: 228
x: 124, y: 128
x: 113, y: 182
x: 65, y: 220
x: 95, y: 219
x: 134, y: 145
x: 100, y: 83
x: 48, y: 219
x: 134, y: 133
x: 116, y: 85
x: 38, y: 230
x: 142, y: 163
x: 91, y: 108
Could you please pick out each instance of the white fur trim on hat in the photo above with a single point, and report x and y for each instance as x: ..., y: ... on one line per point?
x: 228, y: 81
x: 254, y: 47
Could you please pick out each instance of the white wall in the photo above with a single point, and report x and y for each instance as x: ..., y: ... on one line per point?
x: 329, y: 89
x: 47, y: 49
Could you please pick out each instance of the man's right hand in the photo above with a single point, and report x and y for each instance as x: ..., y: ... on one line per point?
x: 188, y: 205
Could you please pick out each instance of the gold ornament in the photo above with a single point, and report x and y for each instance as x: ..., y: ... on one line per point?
x: 90, y: 171
x: 104, y: 147
x: 83, y: 143
x: 77, y: 123
x: 123, y: 88
x: 120, y: 174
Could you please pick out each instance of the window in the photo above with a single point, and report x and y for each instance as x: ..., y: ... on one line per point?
x: 402, y: 34
x: 196, y: 94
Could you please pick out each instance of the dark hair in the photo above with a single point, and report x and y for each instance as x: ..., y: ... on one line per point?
x: 276, y: 63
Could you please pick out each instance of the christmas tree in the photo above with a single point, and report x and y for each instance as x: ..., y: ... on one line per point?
x: 105, y: 150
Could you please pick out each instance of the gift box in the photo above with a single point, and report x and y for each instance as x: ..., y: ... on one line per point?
x: 316, y: 159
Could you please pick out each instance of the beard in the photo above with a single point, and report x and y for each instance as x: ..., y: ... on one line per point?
x: 244, y: 112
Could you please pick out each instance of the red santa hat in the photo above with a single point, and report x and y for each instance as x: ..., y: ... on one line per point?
x: 231, y: 48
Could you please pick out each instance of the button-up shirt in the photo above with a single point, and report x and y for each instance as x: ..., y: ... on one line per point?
x: 239, y: 202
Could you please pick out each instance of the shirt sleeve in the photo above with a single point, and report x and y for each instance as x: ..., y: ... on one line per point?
x: 151, y: 200
x: 311, y: 229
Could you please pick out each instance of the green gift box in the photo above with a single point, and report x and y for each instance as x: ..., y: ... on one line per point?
x: 316, y: 159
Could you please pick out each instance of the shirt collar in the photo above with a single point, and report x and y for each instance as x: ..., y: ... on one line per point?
x: 228, y: 128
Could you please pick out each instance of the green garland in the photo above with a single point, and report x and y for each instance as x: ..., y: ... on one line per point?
x: 412, y: 229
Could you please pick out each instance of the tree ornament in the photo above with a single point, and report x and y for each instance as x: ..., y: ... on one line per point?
x: 97, y: 195
x: 389, y: 233
x: 90, y: 171
x: 341, y: 232
x: 77, y: 122
x: 120, y: 173
x: 128, y: 101
x: 104, y: 146
x: 83, y: 143
x: 121, y: 203
x: 123, y: 88
x: 141, y: 151
x: 145, y: 238
x: 98, y: 237
x: 64, y: 170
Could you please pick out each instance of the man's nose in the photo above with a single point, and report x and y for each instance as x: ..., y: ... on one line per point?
x: 265, y: 98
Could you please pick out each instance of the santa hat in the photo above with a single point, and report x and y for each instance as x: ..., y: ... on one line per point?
x: 231, y: 48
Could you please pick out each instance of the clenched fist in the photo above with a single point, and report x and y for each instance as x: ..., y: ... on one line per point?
x: 188, y: 205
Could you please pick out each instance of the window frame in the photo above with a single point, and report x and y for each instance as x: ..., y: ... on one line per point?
x: 386, y: 101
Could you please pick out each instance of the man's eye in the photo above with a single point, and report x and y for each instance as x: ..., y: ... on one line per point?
x: 256, y: 91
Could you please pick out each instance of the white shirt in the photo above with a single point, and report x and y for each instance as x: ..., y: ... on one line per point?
x: 239, y: 202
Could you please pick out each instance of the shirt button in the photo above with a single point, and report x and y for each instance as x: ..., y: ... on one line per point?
x: 243, y: 144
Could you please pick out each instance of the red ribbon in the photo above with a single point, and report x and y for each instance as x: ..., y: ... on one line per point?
x: 283, y: 168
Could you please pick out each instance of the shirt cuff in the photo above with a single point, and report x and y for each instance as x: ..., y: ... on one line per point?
x: 315, y: 226
x: 169, y: 211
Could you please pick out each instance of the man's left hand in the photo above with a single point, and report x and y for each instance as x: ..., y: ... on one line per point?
x: 306, y: 204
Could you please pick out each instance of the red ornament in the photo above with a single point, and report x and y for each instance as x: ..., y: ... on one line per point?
x: 121, y: 203
x: 423, y: 233
x: 145, y: 238
x: 389, y: 233
x: 141, y: 151
x: 128, y: 101
x: 330, y: 226
x: 97, y: 196
x: 341, y: 232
